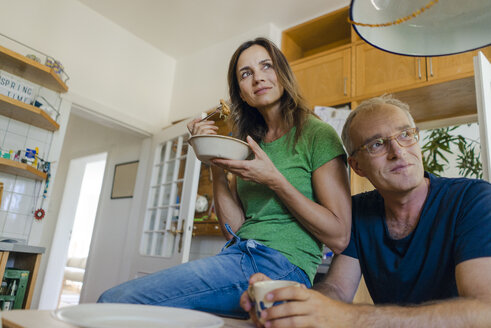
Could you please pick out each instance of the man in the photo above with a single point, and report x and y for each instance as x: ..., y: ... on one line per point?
x: 417, y: 239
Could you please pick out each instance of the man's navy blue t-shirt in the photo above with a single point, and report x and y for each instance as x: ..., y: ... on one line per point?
x: 454, y: 226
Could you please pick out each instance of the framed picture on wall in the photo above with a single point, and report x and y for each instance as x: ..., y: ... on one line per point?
x: 124, y: 180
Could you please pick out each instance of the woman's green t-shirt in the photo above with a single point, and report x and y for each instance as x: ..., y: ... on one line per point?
x: 267, y: 220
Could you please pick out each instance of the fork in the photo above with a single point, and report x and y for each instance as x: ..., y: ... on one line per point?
x: 217, y: 110
x: 223, y: 109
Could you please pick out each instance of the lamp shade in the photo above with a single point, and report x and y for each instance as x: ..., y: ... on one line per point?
x: 447, y: 27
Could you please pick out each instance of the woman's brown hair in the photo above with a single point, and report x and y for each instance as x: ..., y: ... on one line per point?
x: 247, y: 120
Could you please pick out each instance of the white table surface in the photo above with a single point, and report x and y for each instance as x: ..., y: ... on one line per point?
x: 44, y: 319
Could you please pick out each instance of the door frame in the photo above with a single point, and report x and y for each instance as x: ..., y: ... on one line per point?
x: 482, y: 77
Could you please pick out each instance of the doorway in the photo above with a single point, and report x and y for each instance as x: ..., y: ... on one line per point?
x: 81, y: 235
x: 66, y: 263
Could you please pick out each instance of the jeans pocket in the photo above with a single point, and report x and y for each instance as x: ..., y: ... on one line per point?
x: 267, y: 261
x: 233, y: 240
x: 227, y: 244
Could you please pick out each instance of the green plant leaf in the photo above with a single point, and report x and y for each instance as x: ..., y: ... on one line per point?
x: 438, y: 145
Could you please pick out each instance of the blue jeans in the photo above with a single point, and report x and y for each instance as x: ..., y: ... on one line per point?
x: 212, y: 284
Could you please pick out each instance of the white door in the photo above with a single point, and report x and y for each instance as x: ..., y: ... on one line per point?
x: 482, y: 74
x: 166, y: 222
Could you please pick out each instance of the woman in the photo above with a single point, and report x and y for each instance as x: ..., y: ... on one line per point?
x: 292, y: 197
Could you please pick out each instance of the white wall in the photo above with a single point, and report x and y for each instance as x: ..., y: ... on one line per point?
x: 201, y: 78
x: 112, y: 72
x: 83, y: 138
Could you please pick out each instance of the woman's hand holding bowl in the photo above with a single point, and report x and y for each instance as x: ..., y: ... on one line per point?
x: 260, y: 169
x: 198, y: 127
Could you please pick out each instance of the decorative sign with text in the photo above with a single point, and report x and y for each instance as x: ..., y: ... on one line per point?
x: 13, y: 87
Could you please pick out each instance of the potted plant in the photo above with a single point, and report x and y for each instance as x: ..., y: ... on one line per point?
x: 438, y: 145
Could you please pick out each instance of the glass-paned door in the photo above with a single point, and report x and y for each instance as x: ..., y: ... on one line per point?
x: 162, y: 229
x: 167, y: 218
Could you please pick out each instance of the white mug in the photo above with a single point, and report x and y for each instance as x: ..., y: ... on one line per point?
x: 257, y: 293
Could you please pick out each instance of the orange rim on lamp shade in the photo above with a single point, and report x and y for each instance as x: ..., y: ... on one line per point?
x: 423, y: 27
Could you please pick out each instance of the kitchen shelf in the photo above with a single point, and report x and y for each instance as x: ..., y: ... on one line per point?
x: 26, y: 113
x: 207, y: 228
x: 24, y: 170
x: 31, y: 70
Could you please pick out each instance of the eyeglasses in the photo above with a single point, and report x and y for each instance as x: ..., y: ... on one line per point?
x: 381, y: 146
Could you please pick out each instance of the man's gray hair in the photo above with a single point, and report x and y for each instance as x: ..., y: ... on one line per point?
x: 371, y: 104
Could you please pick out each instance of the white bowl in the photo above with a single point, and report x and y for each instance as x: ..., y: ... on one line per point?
x: 207, y: 146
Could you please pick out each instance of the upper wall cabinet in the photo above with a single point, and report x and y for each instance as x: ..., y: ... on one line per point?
x: 334, y: 66
x: 436, y: 88
x: 319, y: 52
x: 444, y: 68
x: 377, y: 71
x: 318, y: 35
x: 325, y: 79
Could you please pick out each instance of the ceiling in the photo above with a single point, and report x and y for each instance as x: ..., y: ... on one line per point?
x: 181, y: 27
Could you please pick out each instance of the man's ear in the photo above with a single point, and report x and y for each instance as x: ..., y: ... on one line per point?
x: 353, y: 162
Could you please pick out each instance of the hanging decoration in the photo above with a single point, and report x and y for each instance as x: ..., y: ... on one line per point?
x: 40, y: 212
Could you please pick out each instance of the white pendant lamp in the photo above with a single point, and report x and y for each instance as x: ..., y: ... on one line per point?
x: 442, y: 27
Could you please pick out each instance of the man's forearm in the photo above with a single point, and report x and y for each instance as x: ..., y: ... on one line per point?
x: 332, y: 291
x: 459, y: 312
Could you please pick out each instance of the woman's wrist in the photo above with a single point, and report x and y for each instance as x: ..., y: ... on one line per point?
x: 277, y: 181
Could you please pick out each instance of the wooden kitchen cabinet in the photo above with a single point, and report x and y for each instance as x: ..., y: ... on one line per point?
x: 439, y: 90
x: 378, y: 71
x: 318, y: 35
x: 448, y: 96
x: 325, y: 79
x: 382, y: 72
x: 28, y: 258
x: 444, y: 68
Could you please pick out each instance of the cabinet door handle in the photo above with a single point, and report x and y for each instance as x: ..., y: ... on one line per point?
x: 419, y: 68
x: 431, y: 67
x: 345, y: 86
